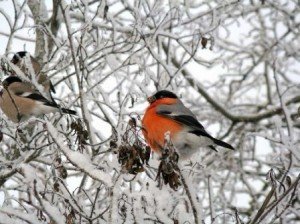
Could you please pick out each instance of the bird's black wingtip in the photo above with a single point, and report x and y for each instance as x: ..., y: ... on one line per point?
x: 223, y: 144
x: 213, y: 148
x: 68, y: 111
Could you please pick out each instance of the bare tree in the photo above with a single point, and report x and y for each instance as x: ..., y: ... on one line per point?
x: 234, y: 63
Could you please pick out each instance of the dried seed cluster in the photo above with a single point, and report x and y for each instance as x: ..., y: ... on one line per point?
x: 133, y: 154
x: 61, y: 170
x: 82, y: 134
x: 168, y: 168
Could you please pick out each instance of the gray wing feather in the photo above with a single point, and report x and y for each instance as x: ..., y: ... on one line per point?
x: 175, y: 109
x: 179, y: 113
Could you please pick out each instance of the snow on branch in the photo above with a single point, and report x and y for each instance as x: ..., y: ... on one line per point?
x: 78, y: 159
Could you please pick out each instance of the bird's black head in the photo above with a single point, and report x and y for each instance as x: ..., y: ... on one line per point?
x: 162, y: 94
x: 11, y: 79
x: 18, y: 56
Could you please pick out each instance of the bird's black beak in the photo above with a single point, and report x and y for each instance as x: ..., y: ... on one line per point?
x: 151, y: 99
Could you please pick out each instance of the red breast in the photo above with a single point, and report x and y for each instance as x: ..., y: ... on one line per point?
x: 155, y: 126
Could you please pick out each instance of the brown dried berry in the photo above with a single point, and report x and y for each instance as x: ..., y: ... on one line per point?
x: 288, y: 181
x: 56, y: 186
x: 132, y: 122
x: 168, y: 169
x: 63, y: 173
x: 85, y: 134
x: 105, y: 11
x: 58, y: 160
x: 73, y: 125
x: 113, y: 144
x: 204, y: 41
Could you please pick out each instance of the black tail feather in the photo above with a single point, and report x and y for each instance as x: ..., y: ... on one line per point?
x: 203, y: 133
x: 213, y: 148
x: 223, y: 144
x: 68, y: 111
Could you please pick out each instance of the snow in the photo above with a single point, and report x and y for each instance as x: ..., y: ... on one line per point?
x: 123, y: 57
x: 10, y: 211
x: 78, y: 159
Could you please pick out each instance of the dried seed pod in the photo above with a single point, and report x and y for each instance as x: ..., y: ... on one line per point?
x: 86, y: 135
x: 62, y: 172
x: 58, y: 160
x: 81, y: 133
x: 147, y: 154
x: 204, y: 41
x: 288, y: 181
x: 73, y: 125
x: 113, y: 144
x: 70, y: 217
x: 129, y: 158
x: 132, y: 122
x: 123, y: 210
x: 105, y: 11
x: 132, y: 153
x: 56, y: 186
x: 168, y: 168
x: 144, y: 153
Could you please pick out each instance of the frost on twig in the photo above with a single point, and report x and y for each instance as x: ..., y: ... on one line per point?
x: 217, y: 56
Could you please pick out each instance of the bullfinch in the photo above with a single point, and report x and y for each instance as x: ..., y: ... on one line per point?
x: 29, y: 64
x: 167, y: 114
x: 19, y: 101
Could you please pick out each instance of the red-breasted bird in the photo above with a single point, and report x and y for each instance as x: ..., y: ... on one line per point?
x: 19, y: 101
x: 31, y: 67
x: 166, y: 113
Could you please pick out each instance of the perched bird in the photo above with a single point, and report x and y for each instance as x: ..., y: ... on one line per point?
x: 166, y: 113
x: 32, y: 66
x: 19, y: 101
